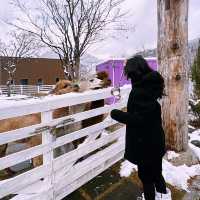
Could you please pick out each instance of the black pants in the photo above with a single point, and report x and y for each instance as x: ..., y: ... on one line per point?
x: 150, y: 173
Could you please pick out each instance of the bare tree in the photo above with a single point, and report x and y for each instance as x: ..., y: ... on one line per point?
x: 21, y: 45
x: 70, y: 27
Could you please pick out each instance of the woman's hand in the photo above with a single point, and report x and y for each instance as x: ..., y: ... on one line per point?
x: 115, y: 114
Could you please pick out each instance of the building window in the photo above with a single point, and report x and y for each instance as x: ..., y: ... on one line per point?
x: 40, y: 81
x: 57, y: 79
x: 24, y: 82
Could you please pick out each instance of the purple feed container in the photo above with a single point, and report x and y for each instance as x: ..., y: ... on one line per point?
x: 115, y: 69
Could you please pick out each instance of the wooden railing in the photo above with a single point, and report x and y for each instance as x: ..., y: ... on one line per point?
x: 59, y: 176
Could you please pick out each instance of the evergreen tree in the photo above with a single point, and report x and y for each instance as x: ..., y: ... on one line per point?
x: 196, y: 74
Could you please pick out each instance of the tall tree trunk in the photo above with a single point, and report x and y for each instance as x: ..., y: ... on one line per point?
x: 71, y: 70
x: 8, y: 84
x: 77, y: 68
x: 173, y: 65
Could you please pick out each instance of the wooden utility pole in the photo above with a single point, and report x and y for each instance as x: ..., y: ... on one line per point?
x: 173, y: 65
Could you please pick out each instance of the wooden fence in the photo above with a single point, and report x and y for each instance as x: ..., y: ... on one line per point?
x: 25, y: 89
x: 57, y: 177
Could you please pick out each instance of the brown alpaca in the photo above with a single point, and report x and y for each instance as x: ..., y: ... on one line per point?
x: 62, y: 87
x: 106, y: 82
x: 32, y: 119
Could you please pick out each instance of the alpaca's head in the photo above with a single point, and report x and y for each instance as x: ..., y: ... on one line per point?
x: 64, y: 86
x: 97, y: 81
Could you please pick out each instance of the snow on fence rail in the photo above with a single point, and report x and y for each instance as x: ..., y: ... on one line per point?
x: 59, y: 176
x: 26, y: 89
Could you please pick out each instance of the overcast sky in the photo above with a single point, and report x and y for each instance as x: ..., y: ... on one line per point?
x: 143, y: 16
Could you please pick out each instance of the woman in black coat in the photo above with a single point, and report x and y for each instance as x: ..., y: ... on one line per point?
x: 145, y: 139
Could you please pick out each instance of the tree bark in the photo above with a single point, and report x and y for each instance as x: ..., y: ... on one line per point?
x: 173, y: 65
x: 71, y: 69
x: 77, y: 68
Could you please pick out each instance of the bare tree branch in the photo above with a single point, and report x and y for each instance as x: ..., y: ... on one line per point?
x: 69, y: 27
x: 21, y: 45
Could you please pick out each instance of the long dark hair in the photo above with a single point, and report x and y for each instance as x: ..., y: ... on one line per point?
x: 137, y: 69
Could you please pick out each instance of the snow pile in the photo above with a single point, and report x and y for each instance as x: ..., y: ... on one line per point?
x: 171, y: 155
x: 179, y: 176
x: 194, y: 102
x: 195, y: 149
x: 191, y: 127
x: 195, y: 136
x: 127, y: 168
x: 176, y: 176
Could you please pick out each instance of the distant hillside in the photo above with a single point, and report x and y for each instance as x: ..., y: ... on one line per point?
x: 193, y: 45
x: 86, y: 59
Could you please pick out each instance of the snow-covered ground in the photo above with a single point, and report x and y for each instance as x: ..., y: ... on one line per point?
x: 177, y: 176
x: 195, y: 136
x: 12, y: 97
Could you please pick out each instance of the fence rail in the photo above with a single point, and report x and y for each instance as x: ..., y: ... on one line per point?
x: 25, y: 89
x: 59, y: 176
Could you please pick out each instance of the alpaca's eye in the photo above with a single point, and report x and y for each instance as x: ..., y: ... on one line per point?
x: 66, y: 86
x: 92, y: 80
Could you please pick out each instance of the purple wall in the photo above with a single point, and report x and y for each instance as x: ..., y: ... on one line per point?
x: 115, y: 69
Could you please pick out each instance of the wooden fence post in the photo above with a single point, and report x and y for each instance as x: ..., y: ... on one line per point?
x: 38, y: 89
x: 173, y: 65
x: 47, y: 139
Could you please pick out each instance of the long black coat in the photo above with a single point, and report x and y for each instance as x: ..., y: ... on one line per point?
x: 145, y: 139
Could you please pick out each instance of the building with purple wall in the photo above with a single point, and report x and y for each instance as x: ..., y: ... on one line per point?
x: 114, y: 67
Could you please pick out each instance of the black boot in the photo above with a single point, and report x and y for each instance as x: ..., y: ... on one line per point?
x: 149, y: 191
x: 160, y: 185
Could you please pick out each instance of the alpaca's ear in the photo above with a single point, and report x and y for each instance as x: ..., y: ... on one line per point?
x: 106, y: 75
x: 102, y: 75
x: 106, y: 83
x: 109, y: 82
